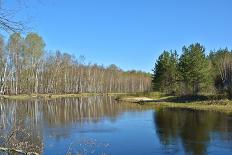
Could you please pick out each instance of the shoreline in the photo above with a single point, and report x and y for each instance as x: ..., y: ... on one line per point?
x: 227, y: 108
x: 55, y: 96
x: 148, y: 100
x: 222, y: 105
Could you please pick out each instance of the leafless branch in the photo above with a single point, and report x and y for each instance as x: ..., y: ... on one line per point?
x: 8, y: 21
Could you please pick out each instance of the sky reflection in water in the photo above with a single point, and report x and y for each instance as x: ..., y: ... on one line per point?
x: 99, y: 125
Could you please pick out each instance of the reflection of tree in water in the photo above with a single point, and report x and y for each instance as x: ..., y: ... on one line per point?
x: 193, y: 128
x: 82, y: 110
x: 23, y: 121
x: 17, y: 128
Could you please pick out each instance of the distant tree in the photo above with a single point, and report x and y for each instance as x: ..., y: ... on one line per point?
x: 3, y: 66
x: 222, y: 65
x: 33, y: 52
x: 26, y: 68
x: 194, y: 69
x: 165, y: 73
x: 15, y: 52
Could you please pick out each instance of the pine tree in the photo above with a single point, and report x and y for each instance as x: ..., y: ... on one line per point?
x: 165, y: 72
x: 194, y: 68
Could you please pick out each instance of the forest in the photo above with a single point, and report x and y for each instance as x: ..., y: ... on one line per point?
x: 26, y: 68
x: 194, y: 72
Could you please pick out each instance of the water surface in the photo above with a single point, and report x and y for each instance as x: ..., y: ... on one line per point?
x: 99, y: 125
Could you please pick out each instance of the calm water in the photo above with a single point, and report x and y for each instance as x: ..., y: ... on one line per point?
x: 99, y: 125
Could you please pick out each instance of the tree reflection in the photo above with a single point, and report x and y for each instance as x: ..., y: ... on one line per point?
x: 22, y: 122
x: 17, y: 127
x: 192, y: 128
x: 84, y: 110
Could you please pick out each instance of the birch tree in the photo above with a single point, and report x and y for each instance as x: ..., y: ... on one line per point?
x: 15, y: 51
x: 3, y: 66
x: 34, y: 50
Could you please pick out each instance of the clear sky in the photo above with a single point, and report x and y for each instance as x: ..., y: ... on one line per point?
x: 128, y: 33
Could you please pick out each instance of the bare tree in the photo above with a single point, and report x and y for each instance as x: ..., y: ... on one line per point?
x: 8, y: 21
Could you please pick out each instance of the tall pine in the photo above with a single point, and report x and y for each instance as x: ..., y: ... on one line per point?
x: 194, y: 69
x: 165, y: 72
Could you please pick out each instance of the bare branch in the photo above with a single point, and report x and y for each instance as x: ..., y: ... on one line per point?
x: 8, y: 21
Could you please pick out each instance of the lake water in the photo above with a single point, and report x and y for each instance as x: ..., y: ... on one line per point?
x: 99, y: 125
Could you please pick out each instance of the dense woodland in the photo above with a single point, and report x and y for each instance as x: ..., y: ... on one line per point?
x: 25, y: 68
x: 194, y: 72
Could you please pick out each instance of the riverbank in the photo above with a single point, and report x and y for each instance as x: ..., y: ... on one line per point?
x: 152, y: 99
x: 74, y: 95
x: 211, y: 103
x: 55, y: 96
x: 223, y: 106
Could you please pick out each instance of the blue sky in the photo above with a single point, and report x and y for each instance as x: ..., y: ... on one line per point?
x: 128, y: 33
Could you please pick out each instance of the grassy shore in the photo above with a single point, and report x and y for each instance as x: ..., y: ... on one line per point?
x: 223, y: 106
x: 203, y: 102
x: 151, y: 99
x: 55, y: 96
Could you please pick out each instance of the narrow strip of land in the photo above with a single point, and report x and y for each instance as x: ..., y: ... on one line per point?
x: 55, y: 96
x: 196, y: 103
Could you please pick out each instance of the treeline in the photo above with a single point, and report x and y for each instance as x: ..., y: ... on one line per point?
x: 194, y: 72
x: 26, y: 68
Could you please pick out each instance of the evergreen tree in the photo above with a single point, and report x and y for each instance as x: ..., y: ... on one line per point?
x: 165, y: 72
x: 194, y: 69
